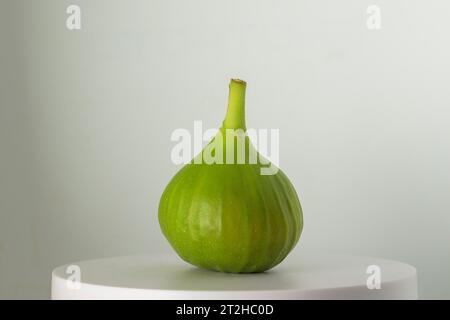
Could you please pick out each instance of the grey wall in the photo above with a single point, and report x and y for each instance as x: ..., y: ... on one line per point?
x: 86, y: 118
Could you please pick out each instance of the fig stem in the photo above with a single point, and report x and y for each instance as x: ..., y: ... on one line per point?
x: 235, y: 117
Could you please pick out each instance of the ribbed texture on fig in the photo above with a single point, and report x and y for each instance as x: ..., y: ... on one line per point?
x: 230, y: 217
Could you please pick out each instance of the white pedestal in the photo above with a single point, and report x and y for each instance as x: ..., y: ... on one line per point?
x: 167, y: 277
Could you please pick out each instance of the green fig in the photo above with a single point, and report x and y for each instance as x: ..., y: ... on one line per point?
x: 231, y: 217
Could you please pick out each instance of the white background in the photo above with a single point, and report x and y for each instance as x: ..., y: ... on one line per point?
x: 86, y: 118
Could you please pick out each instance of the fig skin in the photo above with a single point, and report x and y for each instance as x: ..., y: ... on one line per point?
x: 230, y: 217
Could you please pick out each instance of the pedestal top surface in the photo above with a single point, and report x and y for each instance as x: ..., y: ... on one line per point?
x: 167, y: 276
